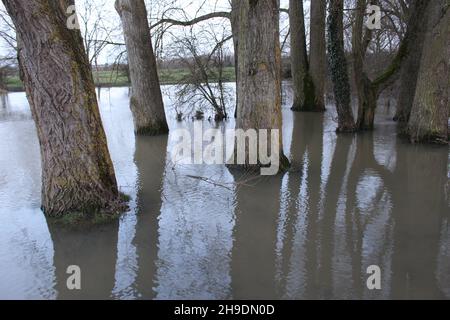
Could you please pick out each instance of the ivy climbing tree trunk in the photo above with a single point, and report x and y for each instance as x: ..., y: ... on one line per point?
x: 77, y: 172
x: 318, y: 55
x: 430, y: 111
x: 338, y: 66
x: 303, y: 86
x: 146, y: 100
x: 259, y: 86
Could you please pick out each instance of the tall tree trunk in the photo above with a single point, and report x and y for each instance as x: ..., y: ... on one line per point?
x: 235, y: 31
x: 367, y: 95
x: 430, y: 111
x: 259, y: 86
x: 410, y: 69
x: 146, y: 99
x: 338, y: 66
x: 318, y: 54
x: 304, y: 92
x: 77, y: 172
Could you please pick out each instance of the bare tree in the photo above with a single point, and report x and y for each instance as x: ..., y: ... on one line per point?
x: 204, y: 85
x: 169, y: 14
x: 8, y: 58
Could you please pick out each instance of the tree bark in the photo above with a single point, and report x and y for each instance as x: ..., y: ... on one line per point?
x: 430, y: 111
x: 146, y: 100
x: 367, y: 95
x: 303, y: 86
x: 77, y: 172
x: 338, y: 66
x: 369, y: 90
x: 410, y: 69
x: 235, y: 30
x: 318, y: 55
x: 259, y: 86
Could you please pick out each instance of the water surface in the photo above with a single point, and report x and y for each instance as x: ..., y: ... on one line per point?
x: 203, y: 232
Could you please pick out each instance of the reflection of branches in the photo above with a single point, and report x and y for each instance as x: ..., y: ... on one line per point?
x: 210, y: 181
x: 246, y: 180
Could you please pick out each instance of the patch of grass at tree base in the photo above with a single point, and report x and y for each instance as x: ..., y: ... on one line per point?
x: 84, y: 220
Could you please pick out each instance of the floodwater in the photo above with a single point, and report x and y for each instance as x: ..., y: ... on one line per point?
x: 203, y: 232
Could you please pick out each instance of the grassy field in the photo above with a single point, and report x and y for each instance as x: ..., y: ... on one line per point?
x: 115, y: 79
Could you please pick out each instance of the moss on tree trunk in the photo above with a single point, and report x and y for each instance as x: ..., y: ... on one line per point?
x: 430, y: 111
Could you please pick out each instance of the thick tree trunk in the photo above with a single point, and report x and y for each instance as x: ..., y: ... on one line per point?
x: 338, y: 66
x: 77, y: 172
x: 430, y: 111
x: 318, y: 54
x: 146, y: 99
x: 410, y: 69
x: 259, y: 86
x: 303, y: 86
x: 368, y: 97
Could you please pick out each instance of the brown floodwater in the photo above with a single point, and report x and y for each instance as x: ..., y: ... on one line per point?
x: 203, y: 232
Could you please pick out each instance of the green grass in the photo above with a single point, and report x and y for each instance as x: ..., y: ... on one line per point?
x: 173, y: 76
x: 118, y: 79
x: 13, y: 82
x: 106, y: 78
